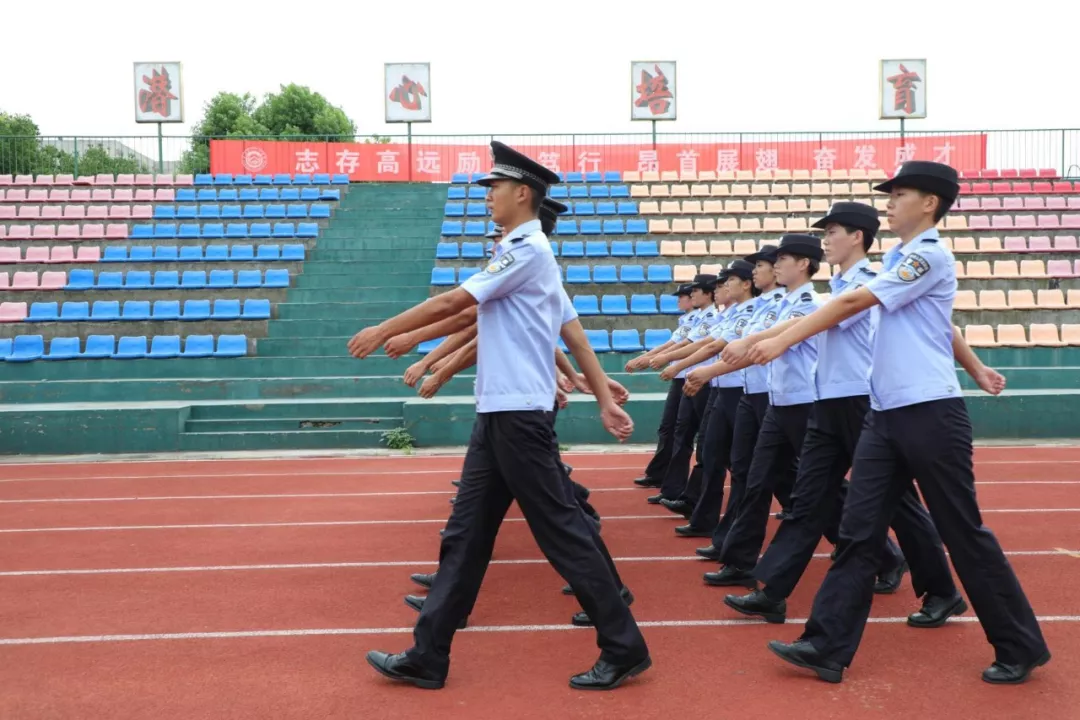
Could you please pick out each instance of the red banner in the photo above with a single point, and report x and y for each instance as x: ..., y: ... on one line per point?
x: 423, y: 162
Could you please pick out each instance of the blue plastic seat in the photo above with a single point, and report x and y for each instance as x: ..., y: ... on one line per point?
x: 646, y: 248
x: 166, y: 253
x: 340, y: 179
x: 319, y: 210
x: 586, y: 305
x: 594, y: 177
x: 284, y: 230
x: 604, y: 274
x: 605, y: 208
x: 191, y: 253
x: 166, y: 310
x: 225, y: 309
x: 612, y: 176
x: 656, y: 337
x: 242, y: 179
x: 455, y: 193
x: 475, y: 228
x: 196, y: 310
x: 301, y: 179
x: 296, y: 212
x: 232, y: 212
x: 249, y: 278
x: 584, y: 208
x: 263, y: 179
x: 136, y: 310
x: 626, y: 341
x: 460, y: 178
x: 74, y: 311
x: 248, y: 195
x: 312, y: 194
x: 166, y: 280
x: 236, y: 231
x: 282, y: 179
x: 105, y: 311
x: 596, y: 248
x: 566, y: 227
x: 659, y: 274
x: 577, y: 274
x: 290, y: 195
x: 5, y: 347
x: 579, y: 192
x: 451, y: 228
x: 142, y: 232
x: 269, y: 194
x: 477, y: 192
x: 572, y: 249
x: 598, y: 340
x: 292, y: 253
x: 229, y: 195
x: 115, y: 254
x: 669, y: 305
x: 467, y: 272
x: 141, y: 253
x: 307, y: 230
x: 221, y: 279
x: 276, y: 212
x: 323, y: 178
x: 43, y: 312
x: 223, y: 179
x: 82, y: 279
x: 590, y: 227
x: 185, y: 195
x: 614, y: 227
x: 242, y: 253
x: 187, y: 212
x: 632, y: 274
x: 198, y: 346
x: 26, y: 348
x: 137, y: 280
x: 63, y: 348
x: 472, y: 250
x: 164, y: 212
x: 619, y: 191
x: 614, y: 305
x: 188, y: 231
x: 643, y: 305
x: 108, y: 280
x: 256, y: 310
x: 453, y: 209
x: 259, y: 230
x: 268, y: 253
x: 428, y: 345
x: 130, y: 348
x: 446, y: 251
x: 209, y: 212
x: 231, y: 346
x: 628, y: 208
x: 217, y: 253
x: 214, y: 231
x: 574, y: 177
x: 204, y: 179
x: 255, y: 212
x: 620, y: 248
x: 599, y: 192
x: 476, y: 210
x: 164, y: 346
x: 99, y: 346
x: 558, y: 192
x: 637, y: 226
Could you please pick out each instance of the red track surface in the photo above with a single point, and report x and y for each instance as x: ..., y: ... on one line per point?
x: 282, y: 573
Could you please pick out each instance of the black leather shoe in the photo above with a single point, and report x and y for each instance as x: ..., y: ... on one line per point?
x: 605, y: 676
x: 709, y: 552
x: 417, y: 603
x: 398, y: 667
x: 654, y: 499
x: 569, y: 471
x: 581, y: 619
x: 783, y: 515
x: 453, y: 500
x: 647, y: 482
x: 802, y: 654
x: 424, y: 580
x: 689, y: 531
x: 936, y: 610
x: 442, y: 533
x: 567, y: 590
x: 455, y: 483
x: 729, y: 576
x: 833, y: 554
x: 679, y: 507
x: 1001, y: 674
x: 757, y: 604
x: 889, y: 582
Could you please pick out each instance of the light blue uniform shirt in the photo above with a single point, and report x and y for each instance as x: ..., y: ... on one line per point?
x: 912, y: 360
x: 737, y: 319
x: 709, y: 318
x: 791, y: 376
x: 693, y: 318
x: 756, y: 378
x: 843, y: 364
x: 522, y: 306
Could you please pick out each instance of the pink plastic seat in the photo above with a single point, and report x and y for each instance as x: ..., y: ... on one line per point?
x: 119, y: 212
x: 1039, y: 243
x: 74, y: 212
x: 36, y: 254
x: 51, y: 212
x: 142, y: 212
x: 97, y: 212
x: 24, y: 281
x: 44, y: 232
x: 18, y: 232
x: 123, y: 195
x: 53, y: 280
x: 93, y: 231
x: 62, y: 254
x: 59, y: 196
x: 67, y: 232
x: 1059, y: 269
x: 81, y: 195
x: 88, y: 254
x: 12, y: 311
x: 9, y: 255
x: 115, y: 231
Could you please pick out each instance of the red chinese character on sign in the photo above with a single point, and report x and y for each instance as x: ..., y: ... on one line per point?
x: 903, y: 83
x: 653, y: 91
x: 408, y: 93
x: 157, y: 99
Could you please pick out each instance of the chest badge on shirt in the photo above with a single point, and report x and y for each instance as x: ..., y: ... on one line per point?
x: 501, y: 263
x: 913, y: 268
x: 770, y: 318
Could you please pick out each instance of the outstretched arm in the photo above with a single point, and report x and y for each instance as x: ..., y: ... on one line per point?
x: 986, y: 378
x: 829, y: 315
x: 401, y: 344
x: 426, y: 313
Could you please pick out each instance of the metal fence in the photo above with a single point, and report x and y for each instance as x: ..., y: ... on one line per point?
x: 1057, y: 149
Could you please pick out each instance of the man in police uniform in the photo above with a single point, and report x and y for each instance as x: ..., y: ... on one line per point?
x: 917, y: 427
x: 521, y: 307
x: 737, y: 281
x: 832, y: 431
x: 654, y: 471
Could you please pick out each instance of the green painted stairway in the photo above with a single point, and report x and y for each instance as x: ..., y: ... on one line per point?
x: 302, y: 391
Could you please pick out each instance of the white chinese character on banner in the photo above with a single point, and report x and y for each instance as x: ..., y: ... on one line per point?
x: 825, y: 158
x: 427, y: 162
x: 388, y: 163
x: 767, y: 159
x: 589, y: 162
x: 727, y: 160
x: 688, y: 161
x: 347, y: 161
x: 904, y: 153
x: 864, y: 157
x: 943, y: 153
x: 468, y: 162
x: 647, y: 161
x: 550, y: 160
x: 307, y: 161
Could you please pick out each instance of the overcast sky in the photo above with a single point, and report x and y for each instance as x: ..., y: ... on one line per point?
x: 553, y: 67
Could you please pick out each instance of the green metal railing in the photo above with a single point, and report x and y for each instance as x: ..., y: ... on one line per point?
x: 1058, y: 149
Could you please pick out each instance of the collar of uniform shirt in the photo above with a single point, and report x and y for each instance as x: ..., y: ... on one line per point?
x: 807, y: 287
x: 892, y: 257
x: 524, y: 229
x: 841, y: 281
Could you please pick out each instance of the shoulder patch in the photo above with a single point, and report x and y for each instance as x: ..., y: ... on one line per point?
x: 798, y: 314
x: 913, y: 267
x: 770, y: 318
x: 806, y: 297
x: 501, y: 263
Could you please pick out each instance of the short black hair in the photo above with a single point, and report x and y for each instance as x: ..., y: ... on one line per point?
x: 867, y: 235
x: 813, y: 267
x: 943, y: 206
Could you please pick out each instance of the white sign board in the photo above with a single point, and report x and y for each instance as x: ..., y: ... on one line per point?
x: 159, y: 96
x: 652, y: 90
x: 407, y: 92
x: 902, y: 89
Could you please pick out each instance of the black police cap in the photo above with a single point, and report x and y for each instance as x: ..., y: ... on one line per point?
x: 497, y: 231
x: 509, y: 164
x: 704, y: 281
x: 683, y: 289
x: 739, y: 268
x: 766, y: 253
x: 549, y: 213
x: 852, y: 214
x: 801, y: 245
x: 936, y: 178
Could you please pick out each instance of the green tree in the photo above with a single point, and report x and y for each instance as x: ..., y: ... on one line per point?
x: 22, y: 152
x: 19, y: 146
x: 296, y: 110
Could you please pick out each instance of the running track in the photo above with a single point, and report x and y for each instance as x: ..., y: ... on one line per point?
x: 253, y: 588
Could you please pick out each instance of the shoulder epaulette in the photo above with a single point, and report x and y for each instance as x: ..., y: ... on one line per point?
x: 806, y: 297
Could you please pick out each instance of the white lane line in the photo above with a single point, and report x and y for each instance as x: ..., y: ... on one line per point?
x: 323, y: 632
x: 393, y: 494
x: 347, y: 523
x: 415, y: 564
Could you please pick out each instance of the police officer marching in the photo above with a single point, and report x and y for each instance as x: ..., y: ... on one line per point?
x: 917, y: 427
x: 522, y: 308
